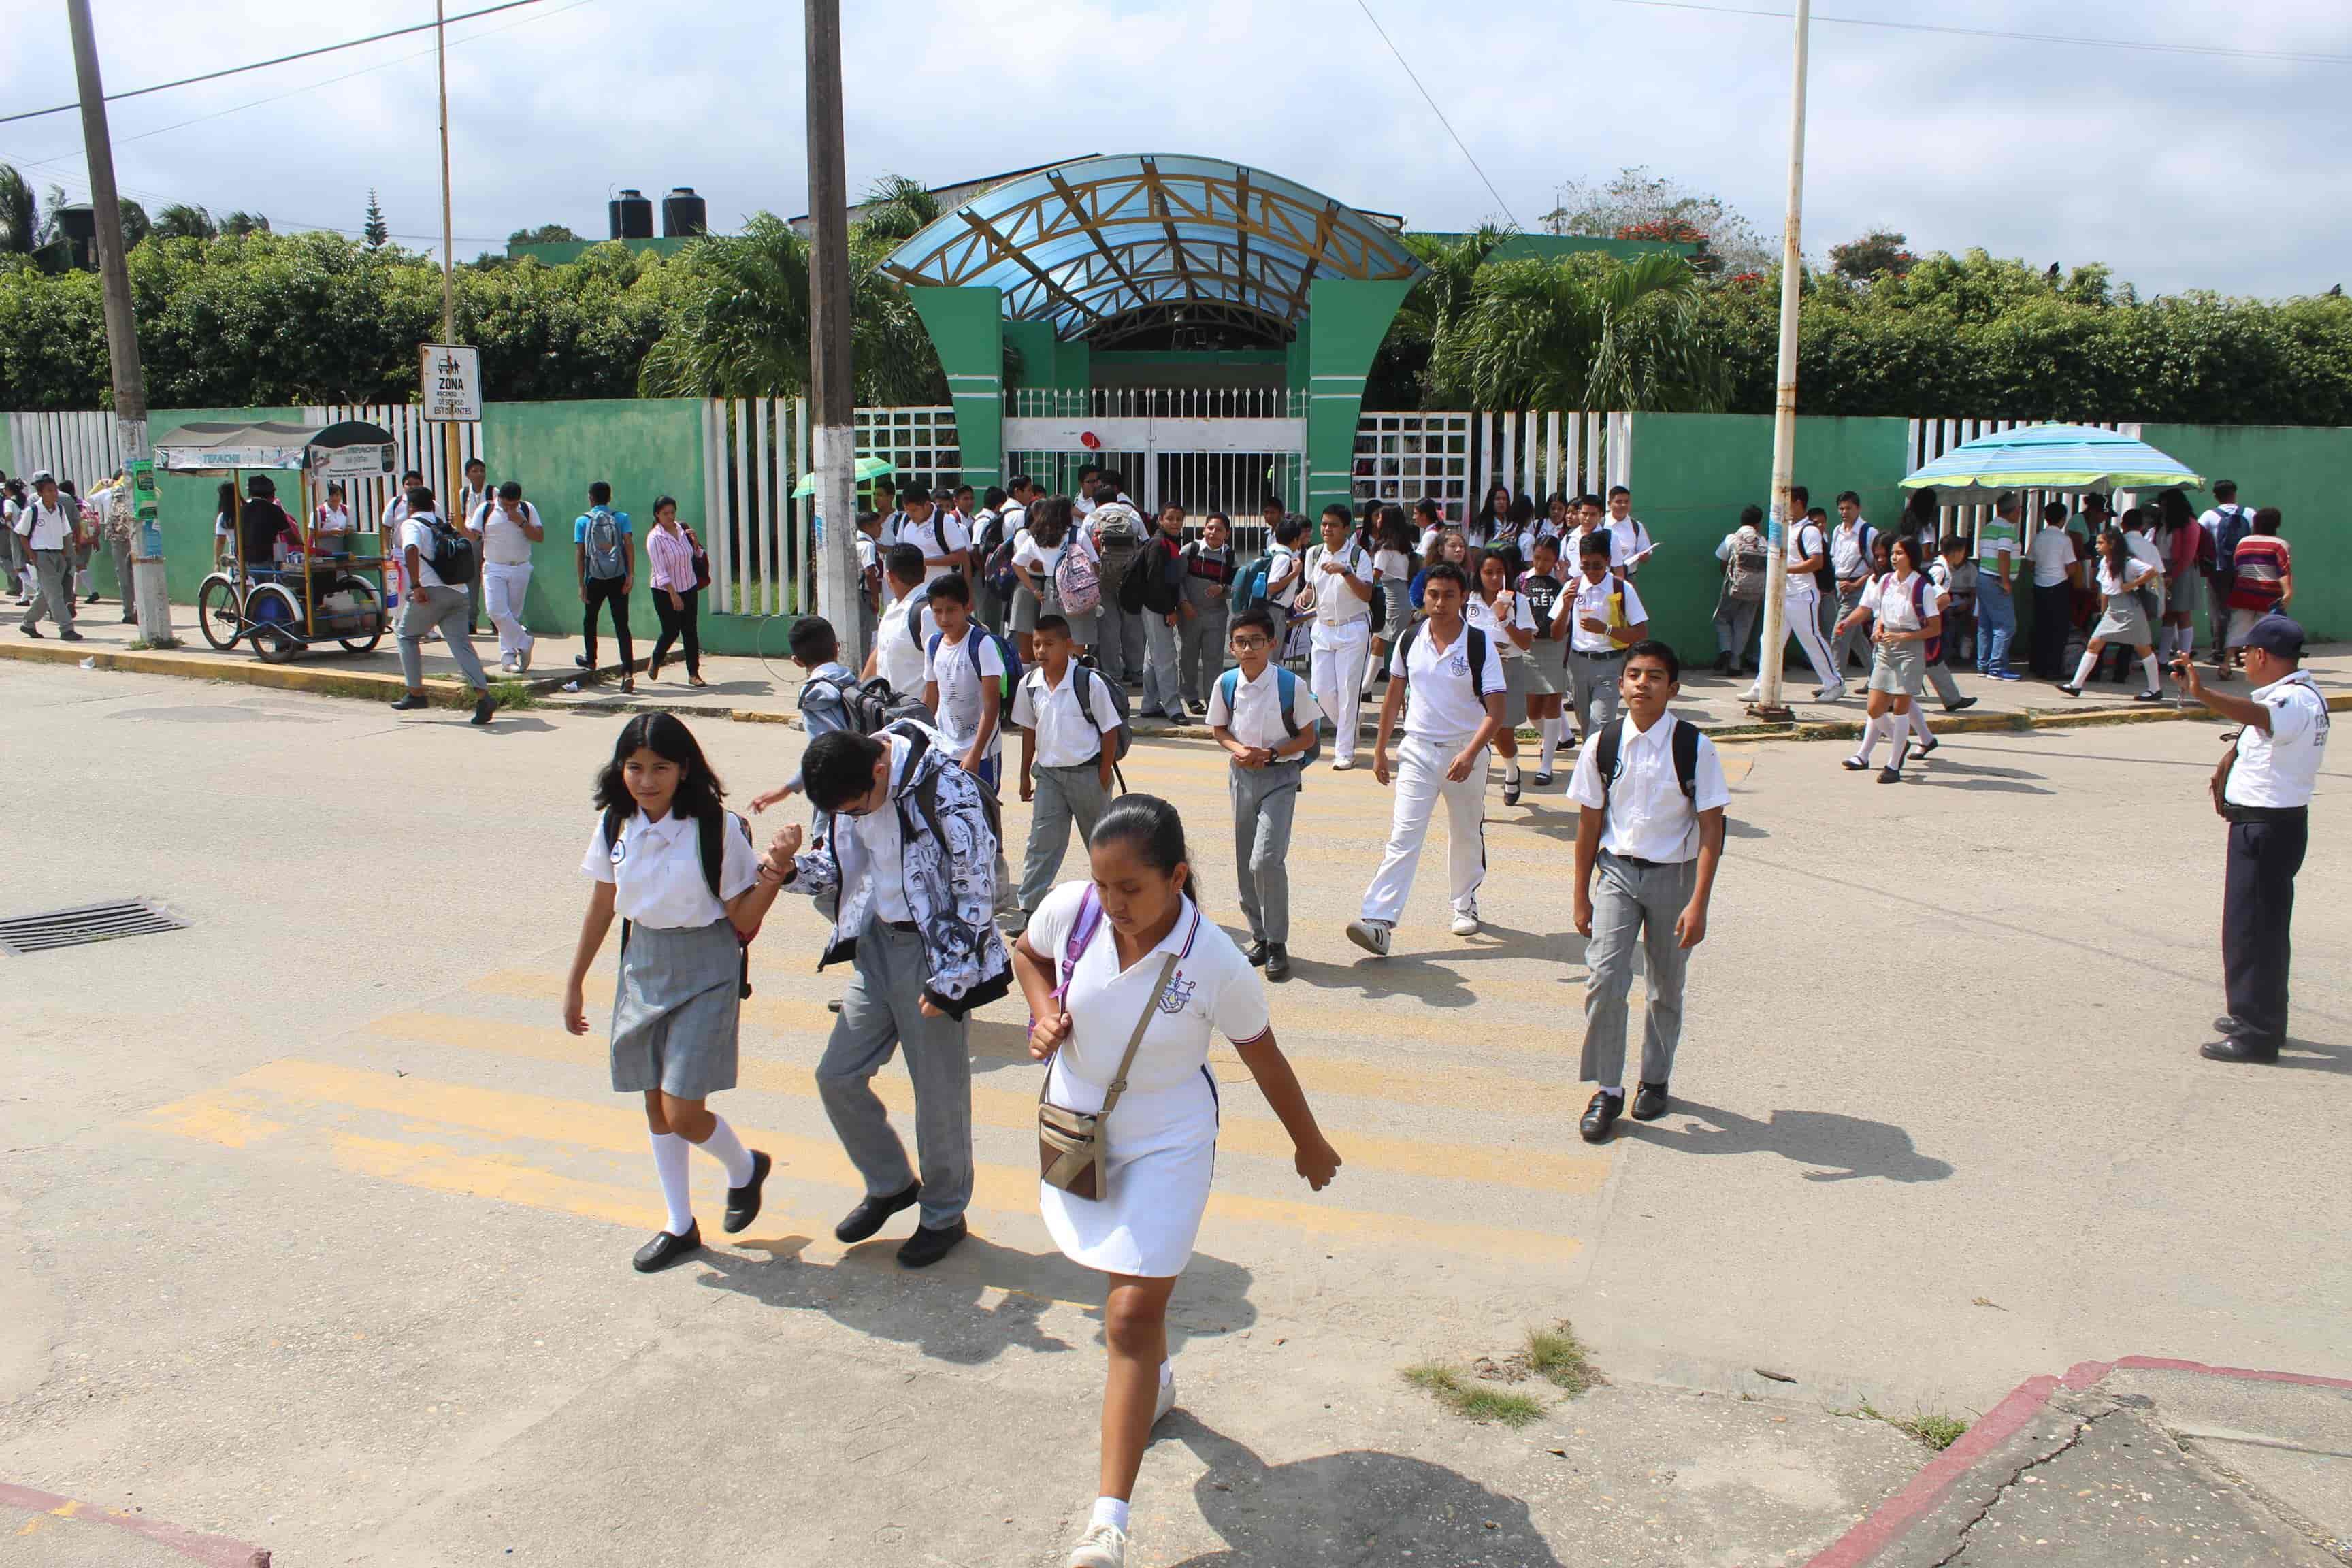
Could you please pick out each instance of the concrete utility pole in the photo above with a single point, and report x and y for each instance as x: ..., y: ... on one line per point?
x: 1784, y: 403
x: 147, y: 585
x: 452, y: 465
x: 832, y: 402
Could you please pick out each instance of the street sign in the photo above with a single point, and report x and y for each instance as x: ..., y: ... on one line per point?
x: 451, y: 379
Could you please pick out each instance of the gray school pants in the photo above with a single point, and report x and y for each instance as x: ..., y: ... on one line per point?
x: 1265, y: 800
x: 1202, y: 658
x: 1593, y: 688
x: 881, y: 1011
x: 1635, y: 898
x: 426, y: 611
x: 54, y: 569
x: 1735, y: 625
x: 1119, y: 641
x: 118, y: 549
x: 1160, y: 667
x: 1064, y: 796
x: 1854, y: 639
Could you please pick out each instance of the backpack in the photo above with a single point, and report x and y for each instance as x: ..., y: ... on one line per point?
x: 2235, y: 526
x: 453, y: 555
x: 1826, y: 578
x: 1379, y: 601
x: 1078, y: 581
x: 1249, y: 588
x: 1285, y: 695
x: 971, y: 642
x: 1161, y: 586
x: 1476, y: 645
x: 1685, y: 745
x: 1118, y: 538
x: 1748, y: 569
x: 871, y: 705
x: 606, y: 539
x: 1118, y: 740
x: 713, y: 850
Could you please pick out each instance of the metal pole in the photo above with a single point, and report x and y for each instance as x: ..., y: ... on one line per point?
x: 832, y: 398
x: 1784, y: 402
x: 449, y: 245
x: 147, y: 583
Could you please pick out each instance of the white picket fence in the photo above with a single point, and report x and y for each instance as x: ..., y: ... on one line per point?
x: 1454, y: 458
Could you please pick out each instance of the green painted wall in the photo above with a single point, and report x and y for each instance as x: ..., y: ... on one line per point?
x: 1692, y: 473
x: 1350, y: 317
x: 2300, y: 471
x: 967, y: 327
x: 7, y: 449
x: 187, y: 503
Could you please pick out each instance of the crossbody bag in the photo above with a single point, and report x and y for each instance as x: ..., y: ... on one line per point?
x: 1070, y: 1143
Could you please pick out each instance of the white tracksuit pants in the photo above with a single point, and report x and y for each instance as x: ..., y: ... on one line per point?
x: 1336, y: 657
x: 1803, y: 616
x: 504, y: 589
x: 1420, y: 783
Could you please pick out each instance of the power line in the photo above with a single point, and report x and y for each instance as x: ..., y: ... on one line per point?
x: 263, y: 65
x: 2148, y: 46
x: 1383, y: 32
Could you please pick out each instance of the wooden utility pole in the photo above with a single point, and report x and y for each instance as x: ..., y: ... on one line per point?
x: 146, y: 588
x: 1769, y: 704
x: 832, y: 405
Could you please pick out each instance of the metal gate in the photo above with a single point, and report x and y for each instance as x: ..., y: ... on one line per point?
x: 1204, y: 449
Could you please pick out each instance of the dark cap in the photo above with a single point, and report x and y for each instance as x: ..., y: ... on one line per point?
x: 2278, y: 636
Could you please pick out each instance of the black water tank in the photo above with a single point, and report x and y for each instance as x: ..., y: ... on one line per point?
x: 684, y: 215
x: 632, y: 215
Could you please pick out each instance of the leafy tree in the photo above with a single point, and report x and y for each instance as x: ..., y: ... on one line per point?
x: 242, y: 223
x: 898, y: 208
x: 54, y: 202
x: 20, y: 217
x: 135, y: 226
x: 1880, y: 253
x: 1583, y: 331
x: 545, y: 234
x: 374, y: 230
x: 180, y: 221
x: 1639, y: 205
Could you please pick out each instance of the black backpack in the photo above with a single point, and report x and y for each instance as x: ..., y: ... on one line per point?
x: 1477, y: 650
x: 1162, y: 582
x: 714, y: 855
x: 871, y: 705
x: 453, y: 555
x: 1685, y: 745
x: 1118, y: 740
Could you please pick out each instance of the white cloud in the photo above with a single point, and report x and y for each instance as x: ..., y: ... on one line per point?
x: 2179, y: 171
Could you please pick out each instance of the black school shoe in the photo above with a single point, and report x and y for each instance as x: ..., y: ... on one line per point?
x: 665, y: 1249
x: 484, y: 707
x: 744, y: 1202
x: 869, y: 1216
x: 1650, y: 1102
x: 1257, y: 954
x: 1277, y: 962
x: 927, y: 1246
x: 2238, y: 1049
x: 1599, y: 1117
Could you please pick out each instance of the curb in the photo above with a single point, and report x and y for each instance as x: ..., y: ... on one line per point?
x: 215, y: 1550
x: 1893, y: 1519
x: 444, y: 690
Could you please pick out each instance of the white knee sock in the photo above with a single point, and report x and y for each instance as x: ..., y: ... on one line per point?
x: 1110, y: 1510
x: 1918, y: 717
x: 1898, y: 729
x: 670, y: 1163
x: 2154, y: 678
x: 1550, y: 743
x: 1511, y: 768
x: 1871, y: 728
x: 723, y: 1146
x: 2082, y: 670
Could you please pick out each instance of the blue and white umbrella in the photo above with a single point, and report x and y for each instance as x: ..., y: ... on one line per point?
x: 2050, y: 458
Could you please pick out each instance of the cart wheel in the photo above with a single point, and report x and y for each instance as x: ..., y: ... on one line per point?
x: 217, y: 612
x: 364, y: 591
x: 271, y: 616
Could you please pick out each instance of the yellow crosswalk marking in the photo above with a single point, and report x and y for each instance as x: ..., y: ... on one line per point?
x: 1538, y: 1169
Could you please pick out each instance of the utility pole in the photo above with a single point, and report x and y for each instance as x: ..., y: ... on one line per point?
x: 147, y: 584
x: 833, y: 406
x: 452, y: 465
x: 1784, y: 402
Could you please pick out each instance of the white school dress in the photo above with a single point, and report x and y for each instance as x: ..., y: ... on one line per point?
x: 1161, y: 1143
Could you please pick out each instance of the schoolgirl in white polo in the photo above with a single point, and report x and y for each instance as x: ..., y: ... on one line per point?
x: 1127, y: 983
x: 677, y: 867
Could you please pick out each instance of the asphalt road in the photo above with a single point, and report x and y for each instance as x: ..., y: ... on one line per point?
x: 316, y: 1226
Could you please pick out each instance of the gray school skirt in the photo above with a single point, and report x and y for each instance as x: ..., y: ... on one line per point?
x: 2125, y: 621
x: 676, y: 1010
x: 1898, y: 667
x: 1517, y: 674
x: 1547, y: 665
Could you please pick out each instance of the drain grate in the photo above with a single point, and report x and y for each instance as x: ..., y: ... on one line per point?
x: 91, y: 922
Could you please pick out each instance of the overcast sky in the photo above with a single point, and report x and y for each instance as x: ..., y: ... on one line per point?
x: 2180, y: 169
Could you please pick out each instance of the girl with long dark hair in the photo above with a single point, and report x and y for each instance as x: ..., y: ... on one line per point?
x: 1499, y: 610
x: 1902, y: 604
x: 1052, y: 531
x: 1392, y: 545
x: 677, y: 867
x: 671, y: 547
x: 1492, y: 521
x: 1125, y: 984
x: 2122, y: 617
x: 2177, y: 535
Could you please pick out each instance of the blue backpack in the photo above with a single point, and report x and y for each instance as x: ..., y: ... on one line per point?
x: 971, y: 640
x: 1285, y: 695
x: 1249, y: 591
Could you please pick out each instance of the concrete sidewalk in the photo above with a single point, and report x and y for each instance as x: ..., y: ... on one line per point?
x: 767, y: 690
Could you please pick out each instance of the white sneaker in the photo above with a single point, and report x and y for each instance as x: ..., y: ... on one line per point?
x: 1166, y: 1401
x: 1103, y: 1546
x: 1343, y: 765
x: 1753, y: 694
x: 1464, y: 925
x: 1370, y: 935
x: 522, y: 662
x: 1834, y: 692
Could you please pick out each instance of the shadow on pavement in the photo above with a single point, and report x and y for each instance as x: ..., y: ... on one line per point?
x: 1426, y: 975
x: 1354, y: 1508
x: 2310, y: 1056
x: 1844, y: 1147
x: 942, y: 1311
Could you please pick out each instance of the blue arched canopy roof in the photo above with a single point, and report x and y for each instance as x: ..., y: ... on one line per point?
x: 1107, y: 247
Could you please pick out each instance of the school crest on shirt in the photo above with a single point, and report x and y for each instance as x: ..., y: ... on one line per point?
x: 1457, y: 663
x: 1178, y: 994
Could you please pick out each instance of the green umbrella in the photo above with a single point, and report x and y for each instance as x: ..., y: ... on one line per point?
x: 867, y: 469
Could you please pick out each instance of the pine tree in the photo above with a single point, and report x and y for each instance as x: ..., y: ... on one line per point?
x: 375, y: 230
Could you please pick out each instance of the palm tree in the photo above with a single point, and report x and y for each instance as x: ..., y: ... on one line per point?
x: 180, y: 221
x: 898, y: 208
x: 20, y: 217
x: 1585, y: 331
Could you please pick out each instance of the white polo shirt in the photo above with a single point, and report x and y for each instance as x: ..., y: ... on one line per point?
x: 937, y: 536
x: 2280, y: 768
x: 1890, y: 601
x: 417, y: 529
x: 1440, y: 702
x: 47, y: 527
x: 1572, y: 557
x: 1850, y: 550
x: 1337, y: 608
x: 1515, y: 615
x: 1589, y: 598
x: 1632, y: 539
x: 899, y: 654
x: 1255, y: 716
x: 878, y: 836
x: 959, y: 668
x: 2052, y: 551
x: 1212, y: 991
x: 1648, y: 816
x: 656, y: 870
x: 1068, y: 735
x: 1804, y: 544
x: 504, y: 543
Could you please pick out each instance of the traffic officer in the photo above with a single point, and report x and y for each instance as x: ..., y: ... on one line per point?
x: 2263, y: 788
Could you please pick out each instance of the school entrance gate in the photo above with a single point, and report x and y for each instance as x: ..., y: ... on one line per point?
x: 1171, y: 451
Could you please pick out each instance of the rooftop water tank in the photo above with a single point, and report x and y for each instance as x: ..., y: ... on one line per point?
x: 632, y: 215
x: 684, y: 215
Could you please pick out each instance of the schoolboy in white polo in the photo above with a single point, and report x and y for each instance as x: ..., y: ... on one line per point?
x: 1648, y: 839
x: 1339, y: 577
x: 1267, y: 720
x: 1067, y: 720
x: 1456, y: 677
